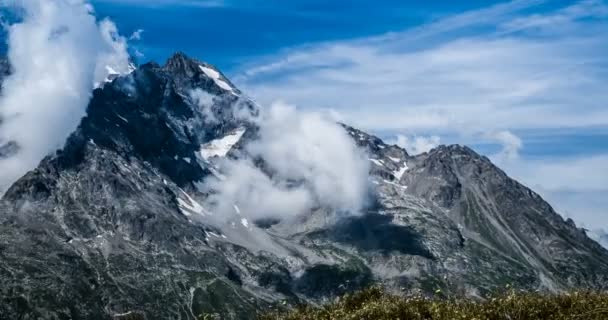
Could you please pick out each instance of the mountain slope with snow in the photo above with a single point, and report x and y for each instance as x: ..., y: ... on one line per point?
x: 114, y: 225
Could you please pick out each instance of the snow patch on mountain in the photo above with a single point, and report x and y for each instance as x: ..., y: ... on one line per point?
x: 112, y: 74
x: 394, y: 184
x: 188, y: 206
x: 399, y: 173
x: 122, y: 118
x: 220, y: 147
x: 217, y: 78
x: 377, y: 162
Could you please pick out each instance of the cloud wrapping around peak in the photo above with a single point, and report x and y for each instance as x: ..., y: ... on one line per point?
x: 309, y: 162
x: 204, y: 101
x: 417, y: 144
x: 511, y: 144
x: 58, y: 51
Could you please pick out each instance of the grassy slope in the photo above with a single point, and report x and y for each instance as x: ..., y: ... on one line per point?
x: 375, y: 304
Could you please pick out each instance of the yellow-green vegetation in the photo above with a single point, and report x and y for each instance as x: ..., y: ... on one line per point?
x: 374, y: 304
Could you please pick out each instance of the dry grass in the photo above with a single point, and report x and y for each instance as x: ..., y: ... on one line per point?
x: 374, y: 304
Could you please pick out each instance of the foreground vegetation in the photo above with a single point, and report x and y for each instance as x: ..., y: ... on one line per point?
x: 376, y: 304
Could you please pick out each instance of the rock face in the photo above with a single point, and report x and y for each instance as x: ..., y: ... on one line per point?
x: 111, y: 227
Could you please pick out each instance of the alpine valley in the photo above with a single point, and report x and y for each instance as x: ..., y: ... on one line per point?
x: 114, y: 226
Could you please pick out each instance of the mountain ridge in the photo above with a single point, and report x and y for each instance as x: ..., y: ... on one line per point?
x: 112, y: 223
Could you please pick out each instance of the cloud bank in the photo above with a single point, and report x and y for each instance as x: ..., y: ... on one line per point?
x: 308, y: 162
x: 58, y: 51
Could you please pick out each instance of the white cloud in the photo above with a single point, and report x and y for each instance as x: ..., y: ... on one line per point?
x: 57, y: 53
x: 309, y: 161
x: 259, y: 196
x: 581, y: 10
x: 112, y: 51
x: 136, y: 35
x: 204, y: 101
x: 511, y: 144
x: 417, y: 144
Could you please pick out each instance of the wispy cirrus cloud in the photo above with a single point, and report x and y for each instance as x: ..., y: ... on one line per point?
x: 489, y: 80
x: 164, y: 3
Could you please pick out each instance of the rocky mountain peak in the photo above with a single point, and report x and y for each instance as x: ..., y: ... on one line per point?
x: 180, y: 64
x: 189, y: 72
x: 154, y: 115
x: 458, y: 153
x: 114, y: 222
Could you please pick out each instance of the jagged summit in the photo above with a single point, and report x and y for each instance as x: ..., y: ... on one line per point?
x: 153, y: 116
x: 179, y: 60
x: 455, y: 149
x: 114, y: 223
x: 188, y: 69
x: 181, y: 65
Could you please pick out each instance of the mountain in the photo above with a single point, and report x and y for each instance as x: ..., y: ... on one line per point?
x: 112, y: 226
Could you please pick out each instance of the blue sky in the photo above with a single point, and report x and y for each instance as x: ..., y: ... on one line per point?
x: 227, y: 33
x: 523, y: 81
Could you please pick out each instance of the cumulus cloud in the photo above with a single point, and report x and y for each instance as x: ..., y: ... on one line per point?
x: 58, y: 51
x: 417, y: 144
x: 308, y: 162
x: 511, y: 144
x: 246, y: 186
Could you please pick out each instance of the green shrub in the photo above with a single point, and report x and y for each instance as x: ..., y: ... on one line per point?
x: 374, y: 304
